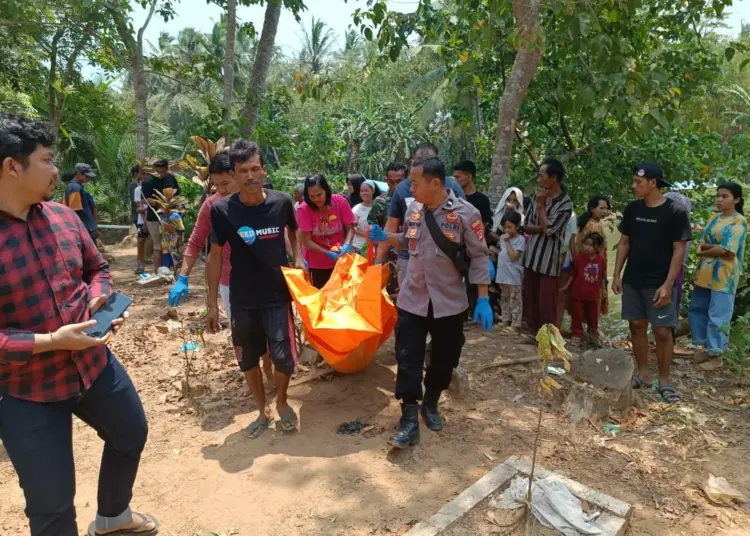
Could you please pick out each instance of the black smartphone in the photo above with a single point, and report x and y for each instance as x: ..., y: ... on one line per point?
x: 113, y: 309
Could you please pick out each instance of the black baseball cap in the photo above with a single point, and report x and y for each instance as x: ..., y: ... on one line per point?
x: 86, y: 170
x: 650, y: 170
x: 162, y: 162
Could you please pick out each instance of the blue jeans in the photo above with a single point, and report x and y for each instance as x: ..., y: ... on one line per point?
x: 710, y: 314
x: 39, y: 440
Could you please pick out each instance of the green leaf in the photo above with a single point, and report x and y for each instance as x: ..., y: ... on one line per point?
x: 394, y: 52
x: 368, y: 34
x: 729, y: 53
x: 588, y: 95
x: 601, y: 111
x: 584, y: 23
x: 659, y: 119
x: 744, y: 63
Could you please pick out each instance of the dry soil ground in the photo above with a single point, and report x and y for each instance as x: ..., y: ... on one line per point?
x: 201, y: 476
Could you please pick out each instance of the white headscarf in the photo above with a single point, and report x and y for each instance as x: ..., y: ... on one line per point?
x: 500, y: 208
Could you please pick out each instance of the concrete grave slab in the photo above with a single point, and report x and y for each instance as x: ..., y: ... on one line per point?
x: 613, y: 521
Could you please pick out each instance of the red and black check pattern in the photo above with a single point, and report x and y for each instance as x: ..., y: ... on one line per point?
x: 49, y: 270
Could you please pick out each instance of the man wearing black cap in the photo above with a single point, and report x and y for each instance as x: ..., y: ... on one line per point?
x: 77, y: 198
x: 163, y: 179
x: 654, y: 231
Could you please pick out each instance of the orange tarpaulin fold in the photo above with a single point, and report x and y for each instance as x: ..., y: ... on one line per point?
x: 350, y: 317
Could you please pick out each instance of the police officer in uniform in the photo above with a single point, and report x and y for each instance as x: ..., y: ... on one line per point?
x: 433, y: 301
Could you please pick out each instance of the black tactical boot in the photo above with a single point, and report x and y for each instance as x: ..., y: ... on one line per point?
x: 408, y: 427
x: 431, y: 417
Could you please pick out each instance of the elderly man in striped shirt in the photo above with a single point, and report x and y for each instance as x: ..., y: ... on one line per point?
x: 547, y: 216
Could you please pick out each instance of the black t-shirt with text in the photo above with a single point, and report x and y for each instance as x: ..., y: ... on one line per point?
x: 652, y: 232
x: 482, y: 203
x: 256, y: 237
x: 153, y: 184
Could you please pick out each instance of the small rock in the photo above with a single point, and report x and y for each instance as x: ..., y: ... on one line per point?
x: 460, y: 383
x: 163, y: 398
x: 171, y: 314
x: 163, y: 328
x: 173, y: 373
x: 308, y: 355
x: 210, y: 406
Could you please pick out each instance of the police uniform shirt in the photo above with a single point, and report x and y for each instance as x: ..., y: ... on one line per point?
x: 442, y: 284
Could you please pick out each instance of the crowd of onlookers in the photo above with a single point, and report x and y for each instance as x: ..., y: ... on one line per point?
x: 546, y: 260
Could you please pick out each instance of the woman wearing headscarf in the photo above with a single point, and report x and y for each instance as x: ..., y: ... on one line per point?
x: 367, y: 192
x: 512, y: 200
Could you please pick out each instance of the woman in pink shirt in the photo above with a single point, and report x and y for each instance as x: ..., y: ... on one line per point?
x: 325, y: 220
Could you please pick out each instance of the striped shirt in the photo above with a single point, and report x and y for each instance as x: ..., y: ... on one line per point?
x: 543, y: 251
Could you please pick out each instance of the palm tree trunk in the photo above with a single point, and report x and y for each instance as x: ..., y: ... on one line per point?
x: 526, y: 13
x: 263, y: 55
x: 229, y: 59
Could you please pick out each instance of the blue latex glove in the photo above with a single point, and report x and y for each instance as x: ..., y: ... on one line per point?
x: 483, y: 314
x: 378, y: 261
x: 332, y: 255
x: 347, y: 248
x: 179, y: 291
x: 377, y: 234
x: 492, y: 270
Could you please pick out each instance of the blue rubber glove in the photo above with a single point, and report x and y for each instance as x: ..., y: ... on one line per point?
x: 332, y: 255
x: 492, y: 270
x: 347, y: 248
x: 378, y: 261
x: 377, y: 234
x: 179, y: 291
x: 483, y: 313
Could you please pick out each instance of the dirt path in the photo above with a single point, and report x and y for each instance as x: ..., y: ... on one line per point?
x: 200, y: 475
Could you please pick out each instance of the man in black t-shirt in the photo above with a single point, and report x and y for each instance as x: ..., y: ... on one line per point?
x: 253, y: 223
x: 163, y: 179
x: 654, y: 231
x: 464, y: 172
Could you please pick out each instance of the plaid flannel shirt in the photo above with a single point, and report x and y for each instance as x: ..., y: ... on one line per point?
x: 49, y: 270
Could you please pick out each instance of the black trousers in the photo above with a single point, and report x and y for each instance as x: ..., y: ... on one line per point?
x: 447, y: 341
x: 39, y: 441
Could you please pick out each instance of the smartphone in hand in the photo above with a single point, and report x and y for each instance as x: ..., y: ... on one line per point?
x: 114, y: 308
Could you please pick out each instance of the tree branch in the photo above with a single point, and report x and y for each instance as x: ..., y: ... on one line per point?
x: 71, y: 63
x: 53, y: 71
x: 566, y: 131
x: 145, y: 24
x: 527, y: 150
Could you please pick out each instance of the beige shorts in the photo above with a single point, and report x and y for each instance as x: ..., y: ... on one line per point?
x: 154, y: 231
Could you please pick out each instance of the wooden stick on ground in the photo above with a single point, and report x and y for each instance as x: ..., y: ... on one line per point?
x: 507, y: 362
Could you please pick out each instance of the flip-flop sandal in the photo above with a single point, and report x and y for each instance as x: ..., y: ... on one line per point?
x: 137, y: 530
x: 289, y: 421
x: 257, y: 429
x: 638, y: 383
x: 668, y: 393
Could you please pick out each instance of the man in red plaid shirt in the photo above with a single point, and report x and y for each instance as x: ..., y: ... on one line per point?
x: 52, y: 279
